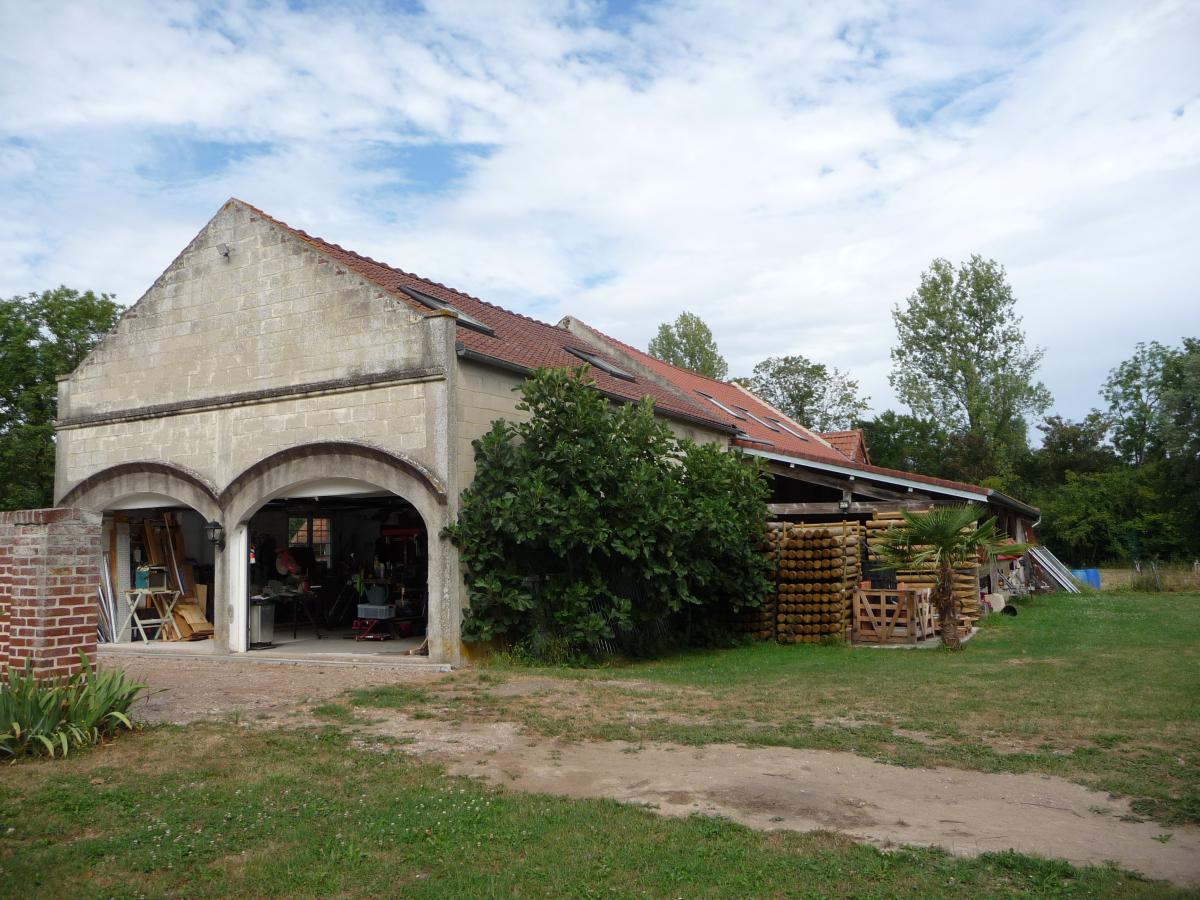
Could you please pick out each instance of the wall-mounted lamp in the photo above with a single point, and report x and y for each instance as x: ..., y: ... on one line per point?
x: 215, y: 533
x: 844, y: 505
x: 223, y: 249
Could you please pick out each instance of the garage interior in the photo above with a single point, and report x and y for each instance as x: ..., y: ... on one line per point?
x: 344, y: 572
x: 324, y: 570
x: 157, y: 575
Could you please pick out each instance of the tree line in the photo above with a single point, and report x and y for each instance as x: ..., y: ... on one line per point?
x: 1121, y: 484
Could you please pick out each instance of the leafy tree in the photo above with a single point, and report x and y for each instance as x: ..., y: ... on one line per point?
x: 42, y: 336
x: 689, y: 344
x: 1134, y: 392
x: 822, y: 397
x: 961, y: 360
x: 945, y: 538
x: 591, y: 529
x: 1068, y: 447
x: 1119, y: 514
x: 901, y: 441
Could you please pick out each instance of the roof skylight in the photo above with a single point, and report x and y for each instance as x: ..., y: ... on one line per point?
x: 762, y: 422
x: 719, y: 405
x: 793, y: 432
x: 434, y: 303
x: 597, y: 362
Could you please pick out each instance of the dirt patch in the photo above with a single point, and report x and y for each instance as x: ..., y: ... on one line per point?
x: 782, y: 788
x: 767, y: 788
x: 183, y: 691
x: 524, y: 687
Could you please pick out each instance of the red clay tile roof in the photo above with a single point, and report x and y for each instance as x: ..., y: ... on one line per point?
x: 516, y: 339
x: 816, y: 449
x: 762, y: 426
x: 851, y: 444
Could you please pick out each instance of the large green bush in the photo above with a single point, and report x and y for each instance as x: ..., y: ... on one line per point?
x: 590, y: 529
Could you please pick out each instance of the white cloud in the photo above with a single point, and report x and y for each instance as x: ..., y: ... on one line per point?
x: 786, y: 175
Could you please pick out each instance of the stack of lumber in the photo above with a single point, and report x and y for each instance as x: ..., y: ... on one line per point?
x: 760, y: 623
x: 163, y: 542
x: 818, y: 568
x: 966, y: 579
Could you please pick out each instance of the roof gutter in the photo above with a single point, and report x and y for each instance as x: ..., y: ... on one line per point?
x: 485, y: 360
x: 980, y: 496
x: 1014, y: 504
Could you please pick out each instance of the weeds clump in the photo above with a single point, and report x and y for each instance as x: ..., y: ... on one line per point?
x: 52, y: 716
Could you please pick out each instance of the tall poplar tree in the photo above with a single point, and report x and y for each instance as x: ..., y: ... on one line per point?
x: 962, y: 361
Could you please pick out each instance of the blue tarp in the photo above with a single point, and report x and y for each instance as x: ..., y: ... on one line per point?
x: 1090, y: 577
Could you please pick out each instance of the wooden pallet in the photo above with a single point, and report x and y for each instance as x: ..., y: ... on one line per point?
x: 892, y: 617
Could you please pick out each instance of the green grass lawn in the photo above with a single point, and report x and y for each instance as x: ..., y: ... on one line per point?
x: 1102, y: 689
x: 217, y: 810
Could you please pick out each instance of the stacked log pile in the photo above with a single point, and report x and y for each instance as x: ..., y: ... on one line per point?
x: 966, y: 579
x: 817, y: 569
x: 760, y: 623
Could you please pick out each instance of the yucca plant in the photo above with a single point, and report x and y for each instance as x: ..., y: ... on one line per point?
x: 944, y: 539
x: 55, y: 715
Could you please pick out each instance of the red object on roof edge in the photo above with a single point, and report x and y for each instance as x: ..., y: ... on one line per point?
x: 851, y: 443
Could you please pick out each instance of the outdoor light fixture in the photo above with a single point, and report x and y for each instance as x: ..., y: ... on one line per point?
x: 215, y: 534
x: 844, y: 504
x: 223, y: 249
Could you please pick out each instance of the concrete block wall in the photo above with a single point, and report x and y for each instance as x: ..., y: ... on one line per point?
x: 484, y: 395
x: 246, y: 306
x: 49, y: 572
x: 253, y: 341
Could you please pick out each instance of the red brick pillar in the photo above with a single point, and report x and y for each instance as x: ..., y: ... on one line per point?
x: 49, y: 572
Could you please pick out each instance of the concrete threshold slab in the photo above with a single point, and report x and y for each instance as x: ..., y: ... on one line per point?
x: 341, y: 660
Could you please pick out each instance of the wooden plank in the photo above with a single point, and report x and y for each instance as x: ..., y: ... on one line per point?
x: 832, y: 508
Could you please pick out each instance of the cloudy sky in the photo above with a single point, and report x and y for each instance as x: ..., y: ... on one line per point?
x: 784, y: 170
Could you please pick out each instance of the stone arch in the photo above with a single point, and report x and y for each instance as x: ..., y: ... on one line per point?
x: 390, y: 471
x: 107, y: 487
x: 396, y: 473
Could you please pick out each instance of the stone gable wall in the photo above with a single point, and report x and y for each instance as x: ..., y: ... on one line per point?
x: 228, y: 358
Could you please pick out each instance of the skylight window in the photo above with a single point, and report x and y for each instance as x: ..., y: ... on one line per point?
x: 603, y: 365
x: 793, y: 432
x: 434, y: 303
x: 719, y: 405
x: 742, y: 436
x: 763, y: 422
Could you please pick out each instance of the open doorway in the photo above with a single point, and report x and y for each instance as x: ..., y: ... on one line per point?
x: 157, y: 575
x: 338, y: 573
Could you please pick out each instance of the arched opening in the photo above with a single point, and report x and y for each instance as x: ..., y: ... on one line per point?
x: 334, y: 566
x: 338, y: 546
x: 158, y: 572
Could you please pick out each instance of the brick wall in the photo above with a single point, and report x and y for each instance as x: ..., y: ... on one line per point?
x: 49, y: 572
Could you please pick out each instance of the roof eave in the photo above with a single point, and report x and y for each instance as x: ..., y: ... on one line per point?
x: 1012, y: 503
x: 979, y: 495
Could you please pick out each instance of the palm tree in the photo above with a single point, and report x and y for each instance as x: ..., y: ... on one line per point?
x: 944, y: 539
